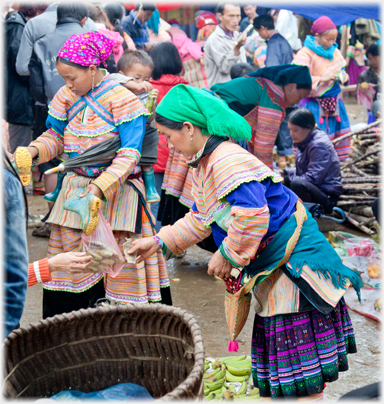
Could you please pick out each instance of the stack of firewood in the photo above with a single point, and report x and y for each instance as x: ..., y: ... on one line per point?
x: 361, y: 177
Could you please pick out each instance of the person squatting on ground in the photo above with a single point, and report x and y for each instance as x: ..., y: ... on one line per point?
x: 74, y: 126
x: 327, y: 67
x: 302, y: 330
x: 316, y: 177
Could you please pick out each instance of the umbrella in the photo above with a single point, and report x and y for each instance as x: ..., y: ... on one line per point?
x: 101, y: 153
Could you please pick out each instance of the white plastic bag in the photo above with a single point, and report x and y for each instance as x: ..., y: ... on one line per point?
x: 102, y: 246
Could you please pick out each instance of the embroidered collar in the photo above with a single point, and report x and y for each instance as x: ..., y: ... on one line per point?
x: 210, y: 145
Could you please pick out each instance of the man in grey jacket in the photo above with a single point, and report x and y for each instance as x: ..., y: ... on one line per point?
x: 45, y: 80
x: 34, y: 29
x: 221, y: 51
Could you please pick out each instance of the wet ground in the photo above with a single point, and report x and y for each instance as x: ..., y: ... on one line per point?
x: 203, y: 297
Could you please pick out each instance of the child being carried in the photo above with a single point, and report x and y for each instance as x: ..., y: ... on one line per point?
x: 137, y: 66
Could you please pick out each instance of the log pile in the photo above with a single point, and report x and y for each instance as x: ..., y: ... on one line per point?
x: 361, y: 177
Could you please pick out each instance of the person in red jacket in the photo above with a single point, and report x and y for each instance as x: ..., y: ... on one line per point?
x: 165, y: 76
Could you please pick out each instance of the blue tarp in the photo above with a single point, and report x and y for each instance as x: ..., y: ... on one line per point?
x: 340, y: 14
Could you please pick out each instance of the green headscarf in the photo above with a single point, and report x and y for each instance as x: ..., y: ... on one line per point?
x: 201, y: 108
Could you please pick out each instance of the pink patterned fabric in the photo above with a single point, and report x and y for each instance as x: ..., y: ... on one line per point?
x: 90, y: 48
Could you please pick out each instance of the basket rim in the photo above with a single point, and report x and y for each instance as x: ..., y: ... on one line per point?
x: 183, y: 315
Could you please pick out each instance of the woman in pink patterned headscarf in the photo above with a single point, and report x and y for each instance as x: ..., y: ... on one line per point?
x: 90, y: 109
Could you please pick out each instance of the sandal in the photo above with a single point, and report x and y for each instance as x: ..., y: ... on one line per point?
x: 42, y: 231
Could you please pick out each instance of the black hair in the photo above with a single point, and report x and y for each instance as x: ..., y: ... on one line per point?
x: 67, y: 62
x: 373, y: 49
x: 168, y: 122
x: 115, y: 14
x: 221, y: 6
x: 75, y: 10
x: 129, y: 58
x: 302, y: 117
x: 306, y: 86
x: 167, y: 60
x: 264, y: 20
x: 146, y: 6
x: 240, y: 70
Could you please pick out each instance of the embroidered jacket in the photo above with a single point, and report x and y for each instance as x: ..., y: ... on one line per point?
x: 76, y: 123
x: 218, y: 174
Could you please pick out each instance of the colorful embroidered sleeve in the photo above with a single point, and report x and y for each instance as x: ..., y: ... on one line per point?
x: 51, y: 143
x: 129, y: 42
x: 185, y: 233
x: 233, y: 166
x: 303, y: 57
x: 127, y: 157
x: 250, y: 223
x: 38, y: 272
x: 130, y: 119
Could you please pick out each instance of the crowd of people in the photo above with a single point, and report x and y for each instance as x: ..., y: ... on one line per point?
x: 196, y: 167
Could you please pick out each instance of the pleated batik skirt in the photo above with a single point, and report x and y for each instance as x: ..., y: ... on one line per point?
x: 293, y: 355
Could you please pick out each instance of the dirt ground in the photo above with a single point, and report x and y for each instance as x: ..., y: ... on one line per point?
x: 203, y: 296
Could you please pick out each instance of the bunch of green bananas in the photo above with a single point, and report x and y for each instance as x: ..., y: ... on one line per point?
x: 231, y: 369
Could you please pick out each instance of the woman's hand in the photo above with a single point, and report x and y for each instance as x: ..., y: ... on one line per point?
x: 94, y: 190
x: 346, y: 78
x: 202, y: 60
x: 219, y: 266
x: 328, y: 77
x: 71, y: 262
x: 144, y: 247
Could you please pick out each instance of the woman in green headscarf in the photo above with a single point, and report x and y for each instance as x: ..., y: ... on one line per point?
x: 261, y: 98
x: 302, y: 330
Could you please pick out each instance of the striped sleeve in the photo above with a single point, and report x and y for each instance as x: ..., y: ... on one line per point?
x: 38, y: 272
x: 303, y: 58
x: 126, y: 158
x: 244, y: 235
x: 185, y: 233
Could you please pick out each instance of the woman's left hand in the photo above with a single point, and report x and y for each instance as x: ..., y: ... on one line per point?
x: 219, y: 266
x: 94, y: 190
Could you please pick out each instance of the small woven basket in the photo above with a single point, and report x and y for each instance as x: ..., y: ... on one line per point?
x: 156, y: 346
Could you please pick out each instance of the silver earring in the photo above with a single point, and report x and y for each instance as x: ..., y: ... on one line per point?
x: 93, y: 81
x: 191, y: 139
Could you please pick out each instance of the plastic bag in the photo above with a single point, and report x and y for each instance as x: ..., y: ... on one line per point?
x: 121, y: 392
x: 357, y: 247
x: 102, y: 246
x: 362, y: 265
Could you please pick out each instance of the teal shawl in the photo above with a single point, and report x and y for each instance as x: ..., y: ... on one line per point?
x: 312, y: 45
x: 312, y: 249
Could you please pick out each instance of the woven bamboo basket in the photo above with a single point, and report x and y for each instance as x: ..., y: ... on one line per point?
x: 156, y: 346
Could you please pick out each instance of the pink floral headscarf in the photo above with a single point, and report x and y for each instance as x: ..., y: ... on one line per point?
x: 90, y: 48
